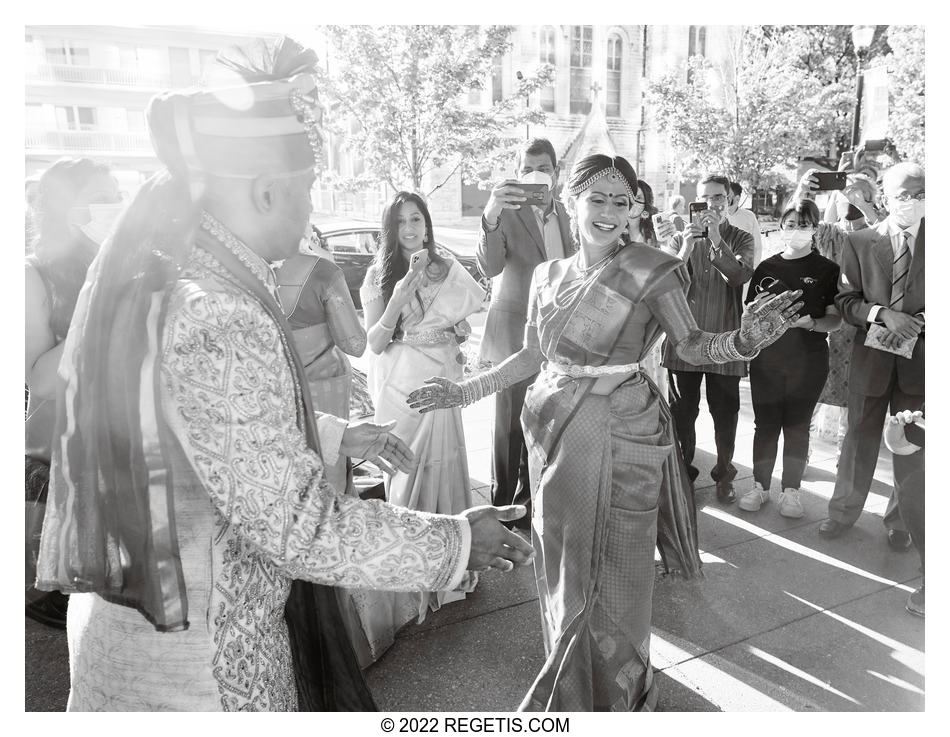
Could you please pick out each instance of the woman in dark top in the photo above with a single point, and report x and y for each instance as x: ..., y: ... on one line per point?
x: 787, y: 377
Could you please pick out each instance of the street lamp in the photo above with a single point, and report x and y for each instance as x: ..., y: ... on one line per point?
x: 527, y: 105
x: 861, y: 37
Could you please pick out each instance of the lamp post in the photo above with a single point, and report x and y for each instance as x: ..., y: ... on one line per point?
x: 527, y: 105
x: 861, y: 37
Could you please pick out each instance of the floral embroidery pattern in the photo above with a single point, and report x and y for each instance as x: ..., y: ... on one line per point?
x: 229, y: 398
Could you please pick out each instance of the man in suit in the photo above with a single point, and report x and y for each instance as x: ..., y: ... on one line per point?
x: 515, y: 237
x: 881, y: 289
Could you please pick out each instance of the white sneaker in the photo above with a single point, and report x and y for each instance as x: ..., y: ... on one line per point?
x: 790, y: 504
x: 754, y: 498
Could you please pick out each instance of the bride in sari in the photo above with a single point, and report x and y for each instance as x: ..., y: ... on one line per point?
x: 608, y: 482
x: 415, y: 300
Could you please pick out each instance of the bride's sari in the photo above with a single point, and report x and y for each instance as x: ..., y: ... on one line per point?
x: 608, y: 482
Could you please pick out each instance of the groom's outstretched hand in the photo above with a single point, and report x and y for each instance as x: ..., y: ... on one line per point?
x: 493, y: 544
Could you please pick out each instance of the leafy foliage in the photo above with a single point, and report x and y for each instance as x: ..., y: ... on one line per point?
x: 403, y: 91
x: 767, y: 105
x: 906, y: 87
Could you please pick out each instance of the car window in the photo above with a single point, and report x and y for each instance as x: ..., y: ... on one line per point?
x: 357, y: 242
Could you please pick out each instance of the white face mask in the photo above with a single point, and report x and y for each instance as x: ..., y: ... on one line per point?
x: 101, y: 220
x: 797, y: 239
x: 907, y: 214
x: 537, y: 177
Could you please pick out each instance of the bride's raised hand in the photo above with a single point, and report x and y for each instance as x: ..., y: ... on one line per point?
x: 766, y: 319
x: 438, y: 393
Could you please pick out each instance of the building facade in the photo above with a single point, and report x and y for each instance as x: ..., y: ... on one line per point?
x: 87, y: 88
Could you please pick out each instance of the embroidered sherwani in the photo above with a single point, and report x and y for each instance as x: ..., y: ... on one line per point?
x: 252, y: 511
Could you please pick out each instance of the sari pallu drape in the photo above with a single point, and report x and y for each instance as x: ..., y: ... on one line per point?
x: 607, y: 474
x: 114, y: 500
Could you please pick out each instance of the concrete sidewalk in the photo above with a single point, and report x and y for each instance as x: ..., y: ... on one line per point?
x: 782, y: 620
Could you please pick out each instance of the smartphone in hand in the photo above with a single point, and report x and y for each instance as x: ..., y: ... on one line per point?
x: 829, y: 180
x: 534, y: 193
x: 694, y: 209
x: 418, y: 261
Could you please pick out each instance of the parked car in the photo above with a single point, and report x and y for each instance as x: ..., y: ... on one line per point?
x: 352, y: 245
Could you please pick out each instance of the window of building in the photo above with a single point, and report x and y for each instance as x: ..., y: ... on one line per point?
x: 614, y: 67
x: 67, y: 53
x: 697, y: 45
x: 582, y: 52
x: 72, y: 118
x: 547, y: 40
x: 496, y: 87
x: 697, y: 41
x: 547, y: 55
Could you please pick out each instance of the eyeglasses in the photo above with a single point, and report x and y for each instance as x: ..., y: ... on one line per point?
x: 904, y: 197
x: 717, y: 198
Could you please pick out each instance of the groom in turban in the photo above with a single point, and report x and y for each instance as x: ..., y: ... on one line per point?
x: 189, y: 515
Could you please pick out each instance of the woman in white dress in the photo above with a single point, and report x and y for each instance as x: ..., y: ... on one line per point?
x: 415, y: 299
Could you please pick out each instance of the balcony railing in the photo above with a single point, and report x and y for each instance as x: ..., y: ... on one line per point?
x: 72, y: 74
x: 84, y: 141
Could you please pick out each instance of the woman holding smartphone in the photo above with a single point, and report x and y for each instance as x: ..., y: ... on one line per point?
x: 415, y: 300
x: 787, y: 377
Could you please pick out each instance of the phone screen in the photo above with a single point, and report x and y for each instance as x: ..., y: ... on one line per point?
x: 694, y: 209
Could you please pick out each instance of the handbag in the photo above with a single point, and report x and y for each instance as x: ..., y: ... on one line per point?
x: 903, y: 348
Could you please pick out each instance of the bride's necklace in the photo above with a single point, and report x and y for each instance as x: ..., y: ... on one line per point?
x: 586, y: 270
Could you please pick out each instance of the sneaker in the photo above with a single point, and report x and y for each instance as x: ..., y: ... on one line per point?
x: 754, y: 498
x: 790, y: 504
x: 915, y: 602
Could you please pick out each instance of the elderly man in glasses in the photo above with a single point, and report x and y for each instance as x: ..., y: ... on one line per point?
x: 881, y: 293
x: 719, y: 259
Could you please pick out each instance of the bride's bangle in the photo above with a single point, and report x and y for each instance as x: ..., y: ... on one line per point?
x: 384, y: 326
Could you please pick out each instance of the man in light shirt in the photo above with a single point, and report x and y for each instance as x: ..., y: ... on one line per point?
x: 744, y: 220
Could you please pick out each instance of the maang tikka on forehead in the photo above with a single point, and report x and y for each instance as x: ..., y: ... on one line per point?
x: 611, y: 173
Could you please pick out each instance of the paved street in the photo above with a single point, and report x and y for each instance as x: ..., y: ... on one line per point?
x: 782, y: 620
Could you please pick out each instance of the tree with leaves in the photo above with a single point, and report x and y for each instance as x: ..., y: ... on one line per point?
x: 905, y: 64
x: 754, y: 114
x: 403, y: 91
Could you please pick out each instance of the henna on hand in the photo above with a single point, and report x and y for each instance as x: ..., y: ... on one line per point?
x: 766, y: 319
x: 437, y: 393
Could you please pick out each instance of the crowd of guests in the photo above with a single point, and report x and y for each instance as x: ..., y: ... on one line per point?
x: 192, y: 411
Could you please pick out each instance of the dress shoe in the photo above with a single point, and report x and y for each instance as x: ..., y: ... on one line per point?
x: 915, y: 602
x: 49, y: 610
x: 692, y: 472
x: 898, y: 540
x: 725, y: 492
x: 830, y: 529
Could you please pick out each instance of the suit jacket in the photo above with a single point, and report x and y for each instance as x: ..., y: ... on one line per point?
x: 866, y: 272
x: 513, y: 250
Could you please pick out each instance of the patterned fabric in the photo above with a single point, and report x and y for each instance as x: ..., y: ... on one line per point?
x: 830, y: 240
x: 901, y: 269
x: 608, y: 483
x: 440, y: 481
x: 253, y: 511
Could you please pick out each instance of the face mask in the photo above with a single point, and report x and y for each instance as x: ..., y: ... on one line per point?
x: 537, y: 177
x: 798, y: 239
x: 101, y: 220
x: 907, y: 214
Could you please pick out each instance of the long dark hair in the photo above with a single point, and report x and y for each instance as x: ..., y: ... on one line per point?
x: 391, y: 265
x: 645, y: 224
x: 61, y: 255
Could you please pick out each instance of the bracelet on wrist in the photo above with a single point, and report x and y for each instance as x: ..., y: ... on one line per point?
x: 384, y: 326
